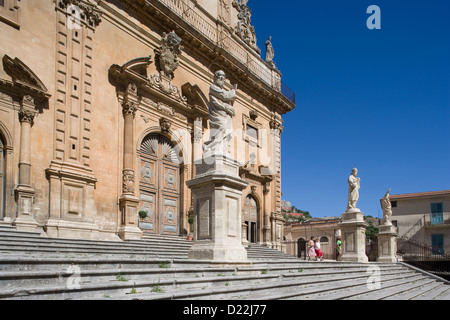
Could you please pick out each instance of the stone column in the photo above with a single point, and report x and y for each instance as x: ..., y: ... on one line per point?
x: 217, y: 190
x: 387, y: 243
x: 24, y: 193
x: 129, y: 203
x: 267, y: 207
x: 353, y: 229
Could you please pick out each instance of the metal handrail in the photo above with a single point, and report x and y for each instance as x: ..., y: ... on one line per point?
x: 420, y: 223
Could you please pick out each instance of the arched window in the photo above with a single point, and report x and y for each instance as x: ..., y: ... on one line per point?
x: 159, y: 185
x: 324, y: 239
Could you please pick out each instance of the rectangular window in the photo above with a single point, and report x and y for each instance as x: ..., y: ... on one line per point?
x: 2, y: 3
x: 437, y: 213
x: 252, y: 132
x: 394, y: 204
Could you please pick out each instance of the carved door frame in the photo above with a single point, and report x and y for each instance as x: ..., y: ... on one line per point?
x: 159, y: 185
x: 251, y: 214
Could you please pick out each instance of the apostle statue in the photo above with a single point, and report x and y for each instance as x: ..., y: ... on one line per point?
x: 387, y: 209
x: 269, y: 52
x: 353, y: 191
x: 221, y: 113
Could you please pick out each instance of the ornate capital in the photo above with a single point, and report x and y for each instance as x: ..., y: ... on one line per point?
x: 129, y: 108
x: 27, y: 111
x: 275, y: 125
x: 26, y: 115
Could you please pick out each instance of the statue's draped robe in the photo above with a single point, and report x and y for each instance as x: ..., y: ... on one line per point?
x: 353, y: 192
x: 220, y: 121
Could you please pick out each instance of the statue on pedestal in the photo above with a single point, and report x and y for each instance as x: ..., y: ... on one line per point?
x: 353, y: 191
x: 270, y: 53
x: 387, y: 209
x: 221, y: 113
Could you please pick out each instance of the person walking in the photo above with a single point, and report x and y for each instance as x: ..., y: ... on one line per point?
x: 319, y: 253
x: 311, y: 249
x: 338, y: 249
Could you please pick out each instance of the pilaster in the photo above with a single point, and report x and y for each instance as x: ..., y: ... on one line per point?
x: 24, y: 193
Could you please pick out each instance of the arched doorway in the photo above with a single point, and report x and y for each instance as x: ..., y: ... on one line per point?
x: 251, y: 218
x: 159, y: 185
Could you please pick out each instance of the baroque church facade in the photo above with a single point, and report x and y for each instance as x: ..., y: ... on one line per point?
x: 104, y: 112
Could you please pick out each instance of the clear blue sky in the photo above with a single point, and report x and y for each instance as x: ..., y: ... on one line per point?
x: 378, y: 100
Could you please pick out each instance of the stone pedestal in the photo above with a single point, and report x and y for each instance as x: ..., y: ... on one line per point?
x: 353, y: 230
x: 217, y: 190
x: 129, y: 229
x: 25, y: 220
x: 387, y: 243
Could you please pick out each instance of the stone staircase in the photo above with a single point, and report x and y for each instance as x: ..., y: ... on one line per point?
x: 156, y: 268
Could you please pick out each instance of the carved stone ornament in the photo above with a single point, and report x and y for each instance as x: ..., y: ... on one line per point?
x: 128, y: 181
x: 26, y: 115
x: 129, y: 108
x: 165, y: 124
x: 167, y: 54
x: 81, y: 10
x: 166, y: 87
x: 244, y: 30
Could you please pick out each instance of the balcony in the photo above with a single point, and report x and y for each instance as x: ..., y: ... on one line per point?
x: 221, y: 37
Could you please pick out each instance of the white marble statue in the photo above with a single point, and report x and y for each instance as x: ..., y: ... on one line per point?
x: 221, y: 113
x: 387, y: 209
x: 353, y: 191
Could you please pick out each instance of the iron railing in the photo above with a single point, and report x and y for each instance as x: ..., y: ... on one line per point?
x: 422, y: 256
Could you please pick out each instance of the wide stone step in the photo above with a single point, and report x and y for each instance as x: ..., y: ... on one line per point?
x: 109, y: 272
x: 258, y: 290
x: 50, y: 277
x: 434, y: 293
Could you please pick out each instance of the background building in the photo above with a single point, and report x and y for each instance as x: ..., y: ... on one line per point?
x: 104, y: 109
x: 297, y: 235
x: 424, y: 218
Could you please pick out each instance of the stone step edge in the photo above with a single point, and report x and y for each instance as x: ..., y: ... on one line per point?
x: 20, y: 275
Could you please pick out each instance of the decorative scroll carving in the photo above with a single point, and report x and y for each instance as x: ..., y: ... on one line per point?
x: 166, y: 87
